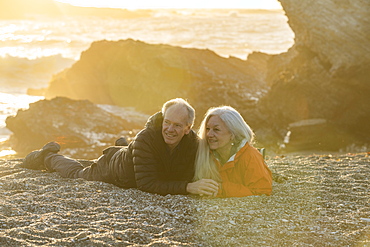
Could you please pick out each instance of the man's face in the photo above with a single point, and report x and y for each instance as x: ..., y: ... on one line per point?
x: 175, y: 125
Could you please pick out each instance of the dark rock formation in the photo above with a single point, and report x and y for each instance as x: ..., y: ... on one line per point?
x: 73, y: 123
x: 134, y: 73
x: 325, y: 74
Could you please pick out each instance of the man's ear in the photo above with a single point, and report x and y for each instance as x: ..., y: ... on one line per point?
x: 187, y: 130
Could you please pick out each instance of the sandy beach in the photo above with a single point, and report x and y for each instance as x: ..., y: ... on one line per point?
x: 324, y: 202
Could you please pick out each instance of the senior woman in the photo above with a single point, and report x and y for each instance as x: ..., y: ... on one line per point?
x: 226, y: 156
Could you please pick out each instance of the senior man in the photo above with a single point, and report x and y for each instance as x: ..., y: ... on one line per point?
x: 159, y: 160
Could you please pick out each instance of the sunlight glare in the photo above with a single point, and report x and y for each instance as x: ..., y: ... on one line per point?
x: 20, y: 101
x: 9, y: 102
x: 4, y: 153
x: 170, y: 4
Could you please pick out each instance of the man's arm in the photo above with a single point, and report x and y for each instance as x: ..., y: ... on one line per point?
x: 149, y: 170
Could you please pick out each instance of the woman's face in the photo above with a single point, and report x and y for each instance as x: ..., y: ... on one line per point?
x: 218, y: 135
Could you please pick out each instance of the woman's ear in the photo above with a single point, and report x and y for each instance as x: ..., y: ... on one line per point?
x: 232, y: 138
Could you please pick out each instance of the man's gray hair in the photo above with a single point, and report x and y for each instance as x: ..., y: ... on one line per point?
x: 180, y: 102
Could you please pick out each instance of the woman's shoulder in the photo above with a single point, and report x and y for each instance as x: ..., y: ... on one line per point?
x: 249, y: 151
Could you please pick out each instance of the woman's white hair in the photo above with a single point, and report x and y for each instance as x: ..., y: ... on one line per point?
x: 240, y: 130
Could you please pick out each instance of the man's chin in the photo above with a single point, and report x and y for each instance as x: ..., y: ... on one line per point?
x: 169, y: 141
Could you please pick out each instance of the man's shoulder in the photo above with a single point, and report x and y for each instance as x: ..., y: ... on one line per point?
x: 192, y: 136
x: 154, y: 121
x: 190, y: 142
x: 152, y: 127
x: 147, y: 138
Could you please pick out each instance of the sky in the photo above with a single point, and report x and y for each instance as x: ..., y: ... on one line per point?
x: 150, y: 4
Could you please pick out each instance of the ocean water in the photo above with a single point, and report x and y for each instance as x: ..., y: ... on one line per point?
x: 32, y: 50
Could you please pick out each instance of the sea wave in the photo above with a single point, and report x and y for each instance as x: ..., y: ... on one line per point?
x: 10, y: 103
x: 18, y: 74
x: 241, y: 31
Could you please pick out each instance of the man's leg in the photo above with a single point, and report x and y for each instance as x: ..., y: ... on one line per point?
x: 66, y: 167
x: 48, y: 158
x: 71, y: 168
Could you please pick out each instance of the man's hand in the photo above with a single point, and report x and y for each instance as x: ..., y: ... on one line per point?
x: 202, y: 187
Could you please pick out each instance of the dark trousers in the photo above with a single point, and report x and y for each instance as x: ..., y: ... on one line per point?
x: 105, y: 168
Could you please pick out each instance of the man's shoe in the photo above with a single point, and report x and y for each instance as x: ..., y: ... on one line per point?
x: 35, y: 159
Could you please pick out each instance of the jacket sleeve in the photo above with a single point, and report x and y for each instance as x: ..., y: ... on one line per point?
x: 149, y: 170
x: 256, y: 178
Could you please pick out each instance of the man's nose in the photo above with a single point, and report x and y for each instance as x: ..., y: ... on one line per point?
x: 170, y: 127
x: 209, y: 133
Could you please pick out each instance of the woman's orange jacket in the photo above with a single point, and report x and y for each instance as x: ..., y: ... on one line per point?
x: 245, y: 174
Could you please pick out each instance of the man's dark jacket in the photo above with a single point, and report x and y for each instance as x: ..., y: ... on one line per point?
x: 148, y: 164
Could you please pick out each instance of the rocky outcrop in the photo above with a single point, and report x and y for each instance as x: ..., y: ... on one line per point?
x: 75, y: 124
x: 325, y: 74
x: 134, y: 73
x: 337, y: 32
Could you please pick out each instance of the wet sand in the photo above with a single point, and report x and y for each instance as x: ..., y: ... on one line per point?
x: 324, y: 202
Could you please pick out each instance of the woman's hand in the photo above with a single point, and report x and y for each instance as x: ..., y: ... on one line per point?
x: 203, y: 187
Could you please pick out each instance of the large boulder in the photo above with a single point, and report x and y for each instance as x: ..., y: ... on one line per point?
x: 75, y: 124
x: 144, y: 76
x: 325, y: 75
x: 337, y: 32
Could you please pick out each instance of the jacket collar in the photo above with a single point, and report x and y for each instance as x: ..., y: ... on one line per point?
x: 230, y: 163
x: 241, y: 145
